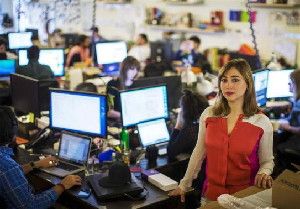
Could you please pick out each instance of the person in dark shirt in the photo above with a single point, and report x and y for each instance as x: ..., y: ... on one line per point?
x: 15, y: 191
x: 128, y: 72
x: 189, y: 51
x: 34, y: 69
x: 289, y: 150
x: 184, y: 136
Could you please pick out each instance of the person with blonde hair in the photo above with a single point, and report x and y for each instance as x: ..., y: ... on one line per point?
x: 235, y: 138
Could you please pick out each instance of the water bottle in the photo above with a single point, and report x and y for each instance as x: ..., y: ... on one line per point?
x: 124, y: 139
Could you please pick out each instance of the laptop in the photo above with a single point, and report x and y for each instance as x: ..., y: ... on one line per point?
x: 102, y: 193
x: 73, y: 153
x: 154, y: 132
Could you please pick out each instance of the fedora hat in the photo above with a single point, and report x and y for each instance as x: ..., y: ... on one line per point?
x: 118, y: 175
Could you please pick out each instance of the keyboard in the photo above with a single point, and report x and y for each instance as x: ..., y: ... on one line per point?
x: 66, y: 166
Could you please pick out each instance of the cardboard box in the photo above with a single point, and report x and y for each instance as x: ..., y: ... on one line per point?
x: 286, y: 191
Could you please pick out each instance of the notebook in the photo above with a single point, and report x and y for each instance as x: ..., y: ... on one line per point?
x: 73, y: 152
x: 154, y: 133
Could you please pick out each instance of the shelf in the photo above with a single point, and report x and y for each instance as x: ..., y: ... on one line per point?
x: 212, y: 30
x: 279, y: 6
x: 116, y: 2
x: 184, y: 3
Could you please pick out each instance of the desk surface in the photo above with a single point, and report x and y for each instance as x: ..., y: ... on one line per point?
x: 244, y: 193
x: 156, y: 198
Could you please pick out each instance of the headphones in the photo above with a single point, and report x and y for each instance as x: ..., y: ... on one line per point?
x: 7, y: 138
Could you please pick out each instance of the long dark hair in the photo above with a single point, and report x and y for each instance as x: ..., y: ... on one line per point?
x: 192, y: 105
x: 221, y: 108
x: 127, y: 64
x: 295, y: 78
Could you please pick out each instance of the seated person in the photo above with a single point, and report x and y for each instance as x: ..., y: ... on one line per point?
x: 184, y: 136
x: 3, y: 45
x: 15, y: 191
x: 128, y: 72
x: 36, y: 41
x: 189, y: 52
x: 56, y: 40
x: 87, y: 87
x: 141, y: 49
x: 34, y: 69
x: 292, y: 127
x: 82, y: 49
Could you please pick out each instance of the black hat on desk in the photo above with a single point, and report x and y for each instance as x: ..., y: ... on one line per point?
x: 118, y: 175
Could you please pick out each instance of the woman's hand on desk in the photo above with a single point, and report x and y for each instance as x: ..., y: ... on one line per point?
x: 46, y: 162
x: 263, y: 181
x: 178, y: 192
x: 285, y: 126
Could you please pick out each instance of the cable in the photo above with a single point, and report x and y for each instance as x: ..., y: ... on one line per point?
x: 252, y: 29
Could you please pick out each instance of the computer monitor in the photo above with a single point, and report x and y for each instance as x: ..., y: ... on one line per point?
x: 278, y: 84
x: 7, y: 67
x: 55, y: 58
x: 19, y: 40
x: 261, y: 84
x: 30, y: 95
x: 79, y: 112
x: 144, y: 104
x: 153, y: 132
x: 111, y: 54
x: 174, y: 87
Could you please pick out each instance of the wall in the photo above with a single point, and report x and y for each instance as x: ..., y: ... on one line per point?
x: 6, y: 6
x: 125, y: 21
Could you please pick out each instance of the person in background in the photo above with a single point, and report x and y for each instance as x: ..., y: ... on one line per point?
x: 15, y: 191
x: 130, y: 67
x: 80, y: 51
x: 96, y: 37
x: 141, y: 49
x: 56, y: 40
x: 34, y: 69
x: 184, y: 136
x: 286, y: 149
x: 189, y: 50
x: 36, y: 41
x: 3, y: 45
x: 235, y: 138
x: 87, y: 87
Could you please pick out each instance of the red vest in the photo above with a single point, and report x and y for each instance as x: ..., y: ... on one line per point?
x: 232, y: 160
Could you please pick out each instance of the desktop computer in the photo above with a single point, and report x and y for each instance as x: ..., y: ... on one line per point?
x: 20, y: 40
x: 30, y: 95
x: 7, y: 67
x: 55, y: 58
x: 79, y: 112
x: 143, y: 104
x: 174, y: 87
x: 278, y: 84
x: 260, y: 78
x: 110, y: 55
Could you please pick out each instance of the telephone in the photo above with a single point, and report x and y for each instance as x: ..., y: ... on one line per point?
x: 41, y: 136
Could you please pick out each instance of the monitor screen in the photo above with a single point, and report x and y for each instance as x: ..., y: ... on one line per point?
x: 74, y: 147
x: 30, y: 95
x: 174, y: 87
x: 278, y: 84
x: 78, y: 111
x: 19, y: 40
x: 140, y: 105
x: 111, y: 52
x: 153, y: 132
x: 261, y: 84
x: 7, y: 67
x: 55, y: 58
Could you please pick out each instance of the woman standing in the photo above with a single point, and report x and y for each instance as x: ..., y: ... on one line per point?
x: 234, y: 136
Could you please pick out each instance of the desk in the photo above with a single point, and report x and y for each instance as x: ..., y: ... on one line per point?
x: 156, y: 198
x: 244, y: 193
